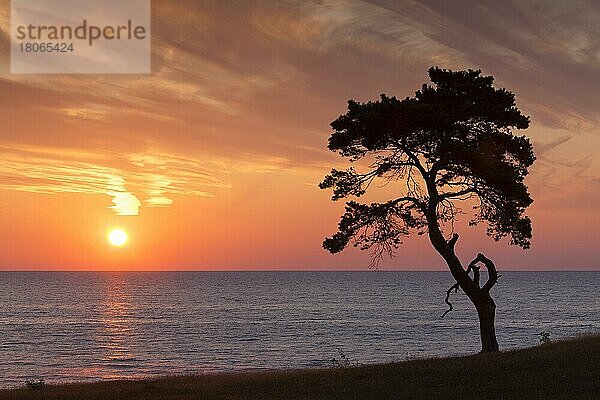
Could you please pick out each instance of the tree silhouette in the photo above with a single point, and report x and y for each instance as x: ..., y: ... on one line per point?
x: 452, y: 142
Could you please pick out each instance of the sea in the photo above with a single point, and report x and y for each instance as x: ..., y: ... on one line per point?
x: 89, y: 326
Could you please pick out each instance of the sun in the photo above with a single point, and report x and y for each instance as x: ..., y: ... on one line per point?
x: 117, y: 237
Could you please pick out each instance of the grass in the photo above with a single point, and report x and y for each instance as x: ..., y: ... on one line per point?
x: 560, y: 370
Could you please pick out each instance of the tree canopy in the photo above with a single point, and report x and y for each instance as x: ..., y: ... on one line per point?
x: 452, y: 141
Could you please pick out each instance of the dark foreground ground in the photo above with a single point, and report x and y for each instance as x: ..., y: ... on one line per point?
x: 563, y: 370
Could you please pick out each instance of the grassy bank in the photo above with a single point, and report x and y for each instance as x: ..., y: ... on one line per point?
x: 562, y: 370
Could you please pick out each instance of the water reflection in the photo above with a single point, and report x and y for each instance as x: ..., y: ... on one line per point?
x: 115, y: 339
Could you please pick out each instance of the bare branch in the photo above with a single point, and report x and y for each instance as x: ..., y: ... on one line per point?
x: 492, y: 274
x: 453, y: 241
x: 447, y: 299
x: 491, y: 268
x: 456, y: 286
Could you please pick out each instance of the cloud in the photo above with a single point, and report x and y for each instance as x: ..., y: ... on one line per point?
x: 548, y: 53
x: 221, y: 58
x: 542, y: 147
x: 125, y: 203
x: 336, y: 26
x: 154, y: 178
x: 256, y: 85
x: 133, y: 181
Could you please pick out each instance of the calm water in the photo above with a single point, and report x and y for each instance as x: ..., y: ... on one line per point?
x: 90, y: 326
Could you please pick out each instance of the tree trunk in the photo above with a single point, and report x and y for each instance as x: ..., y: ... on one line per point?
x: 486, y: 310
x: 479, y: 296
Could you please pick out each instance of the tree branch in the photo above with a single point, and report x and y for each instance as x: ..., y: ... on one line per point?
x: 414, y: 200
x: 416, y: 162
x: 476, y: 275
x: 492, y: 274
x: 436, y: 167
x: 447, y: 299
x: 491, y: 268
x: 459, y: 193
x: 456, y: 286
x: 453, y: 241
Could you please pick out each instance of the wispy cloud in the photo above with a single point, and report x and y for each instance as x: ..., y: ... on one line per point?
x: 145, y: 180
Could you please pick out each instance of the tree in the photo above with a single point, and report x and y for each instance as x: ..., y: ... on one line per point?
x: 452, y: 143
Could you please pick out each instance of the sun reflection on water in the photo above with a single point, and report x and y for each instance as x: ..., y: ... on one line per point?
x: 117, y: 357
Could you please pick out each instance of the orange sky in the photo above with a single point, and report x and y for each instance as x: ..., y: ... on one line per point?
x: 219, y: 150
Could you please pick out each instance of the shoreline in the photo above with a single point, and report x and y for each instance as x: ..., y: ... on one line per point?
x: 558, y: 370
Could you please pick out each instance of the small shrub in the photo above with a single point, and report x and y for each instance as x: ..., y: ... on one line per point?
x: 343, y: 361
x: 544, y: 338
x: 35, y: 384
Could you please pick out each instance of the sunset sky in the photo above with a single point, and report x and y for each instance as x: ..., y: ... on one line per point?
x: 212, y: 161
